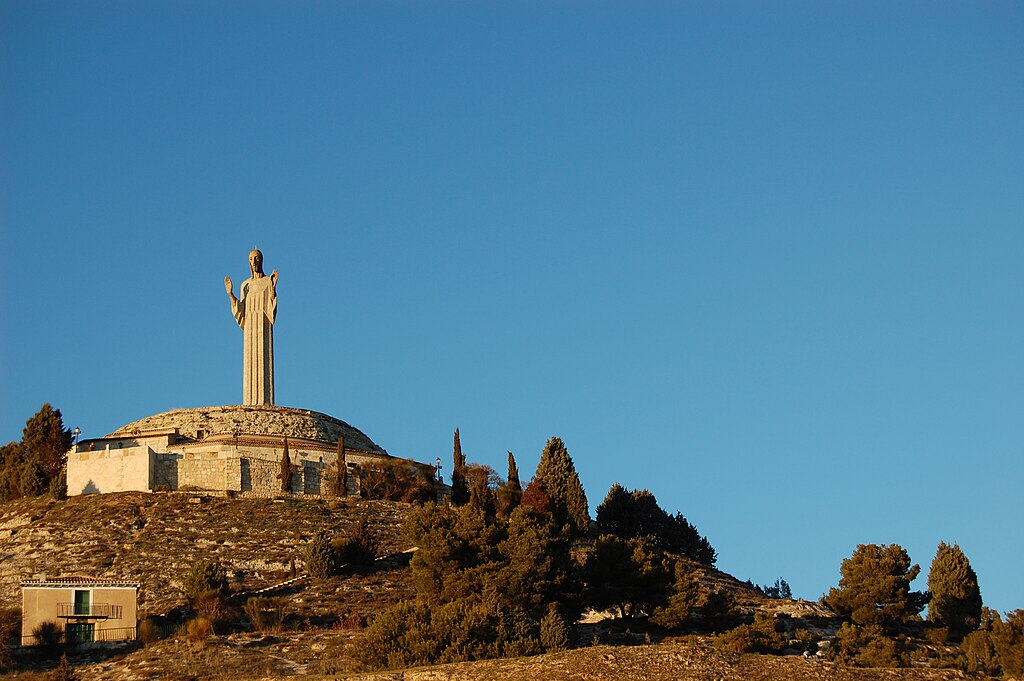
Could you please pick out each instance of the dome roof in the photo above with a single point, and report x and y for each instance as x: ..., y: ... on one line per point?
x: 255, y: 420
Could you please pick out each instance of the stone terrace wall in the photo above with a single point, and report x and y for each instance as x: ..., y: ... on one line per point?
x: 109, y: 470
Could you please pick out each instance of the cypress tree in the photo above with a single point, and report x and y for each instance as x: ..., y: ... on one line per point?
x: 339, y: 483
x: 956, y: 599
x: 511, y: 493
x: 46, y: 439
x: 513, y: 474
x: 557, y: 474
x: 460, y: 486
x: 286, y: 469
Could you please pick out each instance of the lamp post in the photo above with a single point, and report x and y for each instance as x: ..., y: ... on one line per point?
x: 75, y: 434
x: 438, y: 462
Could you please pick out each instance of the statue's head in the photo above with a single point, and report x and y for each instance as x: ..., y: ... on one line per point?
x: 256, y: 261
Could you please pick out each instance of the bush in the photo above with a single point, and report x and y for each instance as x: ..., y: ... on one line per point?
x: 868, y: 646
x: 32, y: 480
x: 320, y: 557
x: 396, y: 480
x: 149, y: 630
x: 998, y: 647
x: 266, y: 614
x: 198, y: 630
x: 554, y: 631
x: 631, y: 576
x: 719, y: 610
x: 210, y: 606
x: 205, y: 576
x: 415, y: 634
x: 763, y: 636
x: 685, y: 593
x: 10, y: 634
x: 48, y: 634
x: 59, y: 487
x: 64, y: 671
x: 359, y: 549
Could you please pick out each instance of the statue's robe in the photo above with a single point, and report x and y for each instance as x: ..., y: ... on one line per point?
x: 254, y: 311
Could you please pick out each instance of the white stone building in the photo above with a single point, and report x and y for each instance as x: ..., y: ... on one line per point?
x: 227, y: 449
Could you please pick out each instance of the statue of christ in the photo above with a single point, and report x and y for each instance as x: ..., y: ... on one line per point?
x: 254, y: 310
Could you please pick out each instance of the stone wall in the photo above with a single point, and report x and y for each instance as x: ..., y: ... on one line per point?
x: 110, y: 470
x: 209, y: 470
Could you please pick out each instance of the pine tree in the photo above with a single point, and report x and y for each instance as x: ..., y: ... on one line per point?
x: 286, y: 469
x: 956, y: 599
x: 875, y: 587
x: 46, y: 439
x: 557, y: 474
x: 460, y: 485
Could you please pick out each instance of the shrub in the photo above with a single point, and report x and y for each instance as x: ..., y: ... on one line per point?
x: 10, y: 634
x: 554, y: 631
x: 998, y: 647
x: 32, y: 481
x: 48, y: 634
x: 868, y: 646
x: 763, y: 636
x: 320, y: 557
x: 149, y: 630
x: 629, y: 575
x: 685, y: 593
x: 415, y: 634
x: 205, y: 576
x: 210, y: 606
x: 396, y: 480
x: 359, y: 549
x: 198, y: 630
x: 59, y: 487
x: 64, y: 671
x: 719, y: 610
x: 266, y: 614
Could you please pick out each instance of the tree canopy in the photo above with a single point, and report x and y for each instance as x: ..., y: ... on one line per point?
x: 955, y: 597
x: 556, y: 473
x: 875, y: 587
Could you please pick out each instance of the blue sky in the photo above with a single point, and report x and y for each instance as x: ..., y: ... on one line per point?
x: 763, y: 259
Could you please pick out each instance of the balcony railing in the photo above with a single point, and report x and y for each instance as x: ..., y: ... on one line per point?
x: 121, y: 634
x: 96, y: 611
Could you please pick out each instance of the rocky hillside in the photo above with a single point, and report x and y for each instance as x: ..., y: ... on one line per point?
x: 154, y: 538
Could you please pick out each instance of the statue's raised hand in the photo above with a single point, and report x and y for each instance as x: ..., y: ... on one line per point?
x: 227, y: 286
x: 273, y: 279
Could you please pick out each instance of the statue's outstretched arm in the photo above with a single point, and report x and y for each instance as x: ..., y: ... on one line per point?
x: 237, y: 309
